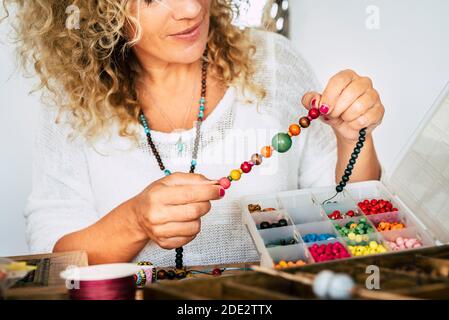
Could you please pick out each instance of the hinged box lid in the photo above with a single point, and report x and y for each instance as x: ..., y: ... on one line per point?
x: 420, y: 176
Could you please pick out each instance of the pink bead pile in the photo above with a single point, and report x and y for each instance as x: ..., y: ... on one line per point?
x: 330, y: 251
x: 404, y: 243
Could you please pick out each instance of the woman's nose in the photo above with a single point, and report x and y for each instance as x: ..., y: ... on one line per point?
x: 186, y: 9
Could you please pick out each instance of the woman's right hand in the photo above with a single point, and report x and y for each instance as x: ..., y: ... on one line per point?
x: 169, y: 210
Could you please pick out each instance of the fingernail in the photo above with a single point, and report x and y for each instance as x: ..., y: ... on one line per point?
x: 222, y: 192
x: 324, y: 109
x: 313, y: 102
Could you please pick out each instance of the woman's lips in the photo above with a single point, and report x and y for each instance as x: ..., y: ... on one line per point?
x: 189, y: 34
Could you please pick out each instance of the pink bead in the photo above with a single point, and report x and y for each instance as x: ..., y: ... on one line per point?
x: 224, y: 182
x: 410, y: 243
x: 246, y: 167
x: 417, y: 245
x: 399, y: 241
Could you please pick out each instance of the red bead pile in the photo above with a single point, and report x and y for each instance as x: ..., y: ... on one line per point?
x: 330, y: 251
x: 337, y: 215
x: 374, y: 206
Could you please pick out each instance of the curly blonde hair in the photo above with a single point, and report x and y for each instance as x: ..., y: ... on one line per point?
x: 88, y: 71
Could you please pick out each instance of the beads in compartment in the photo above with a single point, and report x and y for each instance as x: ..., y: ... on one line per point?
x: 314, y: 237
x: 388, y: 226
x: 360, y: 227
x: 281, y: 242
x: 374, y: 206
x: 401, y: 243
x: 289, y: 264
x: 327, y: 252
x: 364, y: 249
x: 267, y: 225
x: 337, y: 215
x: 257, y: 208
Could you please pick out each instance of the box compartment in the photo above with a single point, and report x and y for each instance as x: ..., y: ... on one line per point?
x: 317, y: 228
x: 282, y: 236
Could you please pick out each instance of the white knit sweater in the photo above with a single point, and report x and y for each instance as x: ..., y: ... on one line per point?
x: 76, y: 183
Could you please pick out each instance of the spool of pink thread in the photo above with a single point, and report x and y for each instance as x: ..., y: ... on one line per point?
x: 102, y: 282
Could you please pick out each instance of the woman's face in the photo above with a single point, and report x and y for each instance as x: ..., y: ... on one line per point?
x: 173, y: 31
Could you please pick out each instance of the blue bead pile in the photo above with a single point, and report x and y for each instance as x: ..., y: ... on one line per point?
x: 313, y: 237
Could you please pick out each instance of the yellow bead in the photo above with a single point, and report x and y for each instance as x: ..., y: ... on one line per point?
x: 351, y: 235
x: 373, y: 244
x: 365, y: 237
x: 235, y: 175
x: 283, y: 264
x: 358, y: 238
x: 353, y: 226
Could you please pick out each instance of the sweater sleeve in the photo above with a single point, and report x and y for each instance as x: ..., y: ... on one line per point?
x: 317, y: 143
x: 61, y: 200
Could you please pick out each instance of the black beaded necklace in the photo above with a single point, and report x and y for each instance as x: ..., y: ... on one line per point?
x: 144, y: 123
x: 348, y: 171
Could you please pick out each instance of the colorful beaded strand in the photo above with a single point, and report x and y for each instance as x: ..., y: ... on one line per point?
x: 282, y: 142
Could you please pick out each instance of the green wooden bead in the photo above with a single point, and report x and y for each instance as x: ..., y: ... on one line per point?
x: 281, y: 142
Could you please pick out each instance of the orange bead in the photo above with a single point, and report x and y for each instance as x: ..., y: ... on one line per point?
x: 294, y: 130
x: 300, y: 263
x: 397, y: 226
x: 266, y: 151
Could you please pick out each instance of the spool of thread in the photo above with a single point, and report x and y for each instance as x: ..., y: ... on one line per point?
x: 114, y: 289
x: 102, y: 282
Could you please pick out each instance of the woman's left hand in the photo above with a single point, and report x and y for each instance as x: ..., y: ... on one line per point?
x: 348, y: 104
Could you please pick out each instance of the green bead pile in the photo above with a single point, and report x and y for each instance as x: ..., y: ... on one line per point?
x: 353, y: 227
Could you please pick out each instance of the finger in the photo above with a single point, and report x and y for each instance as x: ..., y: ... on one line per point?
x: 371, y: 118
x: 181, y: 213
x: 310, y: 100
x: 352, y: 93
x: 181, y: 178
x: 173, y: 243
x: 360, y: 106
x: 185, y: 194
x: 333, y: 90
x: 177, y: 229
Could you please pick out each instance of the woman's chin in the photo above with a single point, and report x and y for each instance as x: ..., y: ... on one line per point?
x: 189, y: 55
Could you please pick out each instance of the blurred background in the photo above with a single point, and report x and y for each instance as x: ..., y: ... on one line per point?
x: 402, y: 45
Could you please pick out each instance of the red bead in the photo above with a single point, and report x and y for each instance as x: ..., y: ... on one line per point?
x: 216, y: 272
x: 224, y: 182
x: 246, y: 167
x: 314, y: 113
